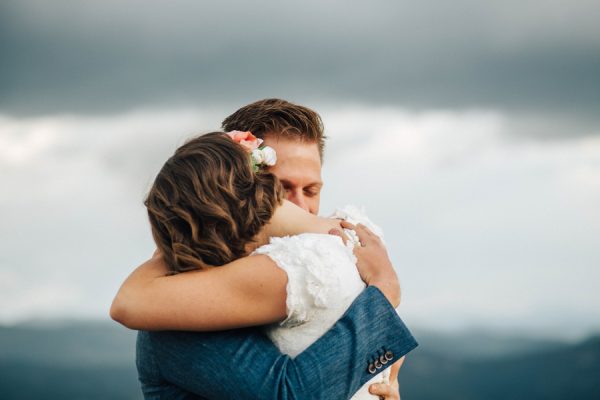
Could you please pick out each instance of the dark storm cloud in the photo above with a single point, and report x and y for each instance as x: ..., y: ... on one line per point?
x: 96, y: 57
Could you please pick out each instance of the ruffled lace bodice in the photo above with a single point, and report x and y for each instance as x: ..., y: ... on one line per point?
x: 322, y: 284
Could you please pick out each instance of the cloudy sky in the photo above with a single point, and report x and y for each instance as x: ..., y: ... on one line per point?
x: 470, y: 131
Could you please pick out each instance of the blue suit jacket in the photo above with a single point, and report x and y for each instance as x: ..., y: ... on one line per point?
x: 245, y: 364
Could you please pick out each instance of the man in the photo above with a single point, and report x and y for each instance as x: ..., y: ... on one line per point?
x: 243, y: 363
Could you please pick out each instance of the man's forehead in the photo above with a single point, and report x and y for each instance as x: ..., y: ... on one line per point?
x: 288, y: 148
x: 298, y: 162
x: 283, y: 137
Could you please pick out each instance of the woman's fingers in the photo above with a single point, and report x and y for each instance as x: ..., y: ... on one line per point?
x: 337, y: 232
x: 365, y: 235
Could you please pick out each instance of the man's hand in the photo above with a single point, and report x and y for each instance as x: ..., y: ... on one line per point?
x: 373, y: 263
x: 389, y: 391
x: 386, y: 391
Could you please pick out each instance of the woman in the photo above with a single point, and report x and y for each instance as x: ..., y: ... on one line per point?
x: 212, y: 203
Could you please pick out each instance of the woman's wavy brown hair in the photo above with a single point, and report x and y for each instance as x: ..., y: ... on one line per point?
x: 207, y: 203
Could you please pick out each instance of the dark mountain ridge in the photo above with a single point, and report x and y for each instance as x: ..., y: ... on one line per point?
x: 94, y: 360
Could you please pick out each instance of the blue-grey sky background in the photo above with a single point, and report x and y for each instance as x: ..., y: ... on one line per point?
x: 469, y: 130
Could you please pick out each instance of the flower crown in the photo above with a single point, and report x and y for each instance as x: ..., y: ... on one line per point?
x: 260, y: 154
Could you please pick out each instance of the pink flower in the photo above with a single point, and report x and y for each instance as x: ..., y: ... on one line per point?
x: 246, y: 139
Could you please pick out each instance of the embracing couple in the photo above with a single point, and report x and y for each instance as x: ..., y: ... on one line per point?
x: 251, y: 295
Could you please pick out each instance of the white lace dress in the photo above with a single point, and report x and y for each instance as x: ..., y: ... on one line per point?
x: 322, y: 283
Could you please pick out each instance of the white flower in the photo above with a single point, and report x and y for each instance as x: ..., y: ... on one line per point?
x: 270, y: 157
x: 266, y: 156
x: 257, y: 156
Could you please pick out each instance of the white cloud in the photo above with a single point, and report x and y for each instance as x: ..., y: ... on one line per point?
x: 73, y: 224
x: 486, y: 225
x: 19, y: 144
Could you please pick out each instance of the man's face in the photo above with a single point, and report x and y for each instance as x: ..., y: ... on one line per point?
x: 298, y: 168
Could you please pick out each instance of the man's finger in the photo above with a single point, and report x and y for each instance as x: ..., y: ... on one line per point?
x: 395, y: 368
x: 367, y: 231
x: 382, y: 390
x: 365, y: 236
x: 347, y: 225
x: 358, y: 228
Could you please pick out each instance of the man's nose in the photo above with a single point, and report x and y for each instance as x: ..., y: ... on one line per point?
x: 297, y: 197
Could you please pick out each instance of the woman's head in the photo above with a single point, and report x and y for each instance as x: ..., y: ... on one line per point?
x: 207, y: 203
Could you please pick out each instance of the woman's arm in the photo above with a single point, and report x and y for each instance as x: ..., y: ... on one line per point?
x: 246, y: 292
x: 249, y: 291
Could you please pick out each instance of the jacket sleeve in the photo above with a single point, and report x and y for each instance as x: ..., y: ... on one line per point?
x: 244, y: 364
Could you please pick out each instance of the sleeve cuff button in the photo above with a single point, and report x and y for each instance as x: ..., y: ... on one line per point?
x: 372, y: 369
